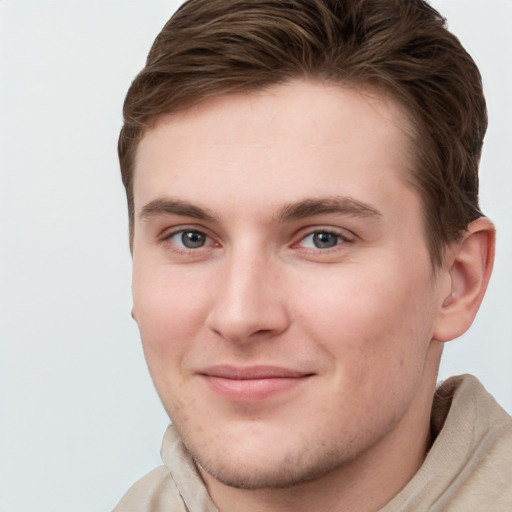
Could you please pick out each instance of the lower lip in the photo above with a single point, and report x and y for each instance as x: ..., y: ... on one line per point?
x: 252, y: 390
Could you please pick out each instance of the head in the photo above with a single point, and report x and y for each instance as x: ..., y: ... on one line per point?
x: 403, y: 49
x: 302, y: 185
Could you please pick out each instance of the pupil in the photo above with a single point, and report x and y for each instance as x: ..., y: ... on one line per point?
x: 325, y: 240
x: 192, y: 239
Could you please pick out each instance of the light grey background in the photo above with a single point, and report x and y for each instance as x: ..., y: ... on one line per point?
x: 79, y: 419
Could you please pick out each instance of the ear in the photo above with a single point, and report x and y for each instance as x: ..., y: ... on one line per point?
x: 468, y: 263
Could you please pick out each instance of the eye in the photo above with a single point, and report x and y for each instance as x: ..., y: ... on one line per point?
x: 189, y: 239
x: 322, y: 240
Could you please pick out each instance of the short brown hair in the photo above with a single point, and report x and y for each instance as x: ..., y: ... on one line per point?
x: 214, y: 47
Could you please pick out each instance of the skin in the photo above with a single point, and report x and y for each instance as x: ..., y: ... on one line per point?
x: 276, y: 229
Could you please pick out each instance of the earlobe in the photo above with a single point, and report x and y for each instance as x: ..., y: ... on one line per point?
x: 469, y: 265
x: 133, y: 314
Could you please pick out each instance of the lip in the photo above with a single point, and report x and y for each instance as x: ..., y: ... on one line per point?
x: 252, y: 384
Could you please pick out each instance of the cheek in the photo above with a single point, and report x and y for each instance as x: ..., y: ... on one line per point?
x: 169, y: 316
x: 377, y: 335
x: 169, y: 311
x: 375, y: 320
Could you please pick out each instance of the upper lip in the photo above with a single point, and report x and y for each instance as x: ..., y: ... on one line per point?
x: 252, y: 372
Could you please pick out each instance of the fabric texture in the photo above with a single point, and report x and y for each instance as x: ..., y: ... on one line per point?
x: 468, y: 468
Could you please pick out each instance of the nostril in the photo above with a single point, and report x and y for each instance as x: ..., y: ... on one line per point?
x: 262, y: 331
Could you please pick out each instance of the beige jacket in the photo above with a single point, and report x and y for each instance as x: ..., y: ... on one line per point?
x: 468, y: 469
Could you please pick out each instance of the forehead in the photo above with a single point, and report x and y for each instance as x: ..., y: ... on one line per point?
x: 298, y: 139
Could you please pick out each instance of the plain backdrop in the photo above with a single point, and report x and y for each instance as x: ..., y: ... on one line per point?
x: 79, y: 419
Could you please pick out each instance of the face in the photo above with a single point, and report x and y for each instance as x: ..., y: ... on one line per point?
x: 282, y: 284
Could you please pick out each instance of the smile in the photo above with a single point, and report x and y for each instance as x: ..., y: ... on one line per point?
x: 252, y: 384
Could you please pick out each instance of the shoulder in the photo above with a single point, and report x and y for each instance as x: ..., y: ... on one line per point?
x: 174, y: 487
x: 469, y: 466
x: 155, y: 492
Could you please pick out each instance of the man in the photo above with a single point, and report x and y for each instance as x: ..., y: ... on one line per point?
x: 303, y: 195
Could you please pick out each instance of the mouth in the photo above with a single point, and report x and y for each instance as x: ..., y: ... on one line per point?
x: 252, y: 384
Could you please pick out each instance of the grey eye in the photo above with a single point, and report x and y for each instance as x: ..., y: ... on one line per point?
x: 192, y: 239
x: 325, y: 240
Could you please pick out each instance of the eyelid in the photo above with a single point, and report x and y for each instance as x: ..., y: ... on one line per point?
x: 169, y: 231
x: 167, y: 234
x: 311, y: 230
x: 345, y: 235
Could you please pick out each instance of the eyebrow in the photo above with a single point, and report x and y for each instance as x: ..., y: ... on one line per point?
x: 337, y: 204
x: 163, y: 207
x: 298, y: 210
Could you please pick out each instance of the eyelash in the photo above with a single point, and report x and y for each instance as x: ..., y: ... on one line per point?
x: 168, y: 236
x: 341, y: 239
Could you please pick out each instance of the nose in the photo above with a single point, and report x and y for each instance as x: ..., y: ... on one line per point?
x: 248, y: 304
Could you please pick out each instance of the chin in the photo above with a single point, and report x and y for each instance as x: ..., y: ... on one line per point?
x: 289, y: 471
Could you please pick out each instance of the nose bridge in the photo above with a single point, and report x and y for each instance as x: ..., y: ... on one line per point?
x: 248, y: 301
